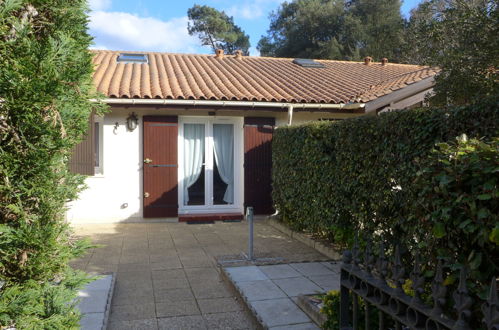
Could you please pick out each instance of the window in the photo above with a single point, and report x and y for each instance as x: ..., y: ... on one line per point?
x: 132, y: 58
x: 98, y: 130
x: 308, y: 63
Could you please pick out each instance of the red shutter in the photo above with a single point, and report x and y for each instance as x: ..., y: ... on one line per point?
x: 160, y: 174
x: 258, y: 134
x: 83, y: 154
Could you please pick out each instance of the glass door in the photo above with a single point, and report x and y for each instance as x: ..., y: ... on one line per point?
x: 208, y: 166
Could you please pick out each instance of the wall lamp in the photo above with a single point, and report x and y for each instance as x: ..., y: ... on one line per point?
x: 132, y: 122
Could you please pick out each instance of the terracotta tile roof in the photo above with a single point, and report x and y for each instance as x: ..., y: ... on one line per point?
x: 205, y: 77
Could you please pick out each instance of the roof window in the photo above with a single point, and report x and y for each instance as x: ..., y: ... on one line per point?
x: 132, y: 58
x: 308, y: 63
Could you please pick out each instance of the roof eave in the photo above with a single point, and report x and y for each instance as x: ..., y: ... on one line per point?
x: 246, y: 104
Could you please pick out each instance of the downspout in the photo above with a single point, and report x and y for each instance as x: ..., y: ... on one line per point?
x: 290, y: 114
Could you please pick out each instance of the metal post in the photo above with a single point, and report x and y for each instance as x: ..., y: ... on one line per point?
x: 249, y: 218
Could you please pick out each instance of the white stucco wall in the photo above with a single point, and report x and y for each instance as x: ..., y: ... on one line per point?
x: 116, y: 194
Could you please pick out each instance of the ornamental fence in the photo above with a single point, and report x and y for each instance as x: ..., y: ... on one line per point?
x: 369, y: 281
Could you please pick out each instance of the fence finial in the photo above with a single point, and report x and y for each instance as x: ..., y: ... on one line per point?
x: 368, y: 257
x: 382, y: 263
x: 355, y: 252
x: 490, y: 308
x: 438, y: 291
x: 462, y: 302
x: 417, y: 281
x: 398, y: 270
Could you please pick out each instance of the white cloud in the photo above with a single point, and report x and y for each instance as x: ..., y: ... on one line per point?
x: 124, y: 31
x: 99, y: 4
x: 254, y: 52
x: 252, y: 9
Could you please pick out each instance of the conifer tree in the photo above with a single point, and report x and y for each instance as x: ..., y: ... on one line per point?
x: 45, y: 92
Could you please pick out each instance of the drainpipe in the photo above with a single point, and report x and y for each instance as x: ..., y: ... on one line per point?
x: 290, y: 114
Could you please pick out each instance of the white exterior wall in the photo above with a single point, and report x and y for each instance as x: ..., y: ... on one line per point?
x: 116, y: 194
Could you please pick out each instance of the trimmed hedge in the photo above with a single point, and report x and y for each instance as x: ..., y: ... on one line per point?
x: 336, y: 178
x: 401, y: 178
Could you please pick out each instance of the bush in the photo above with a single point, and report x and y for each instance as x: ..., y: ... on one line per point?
x: 456, y: 206
x: 45, y: 92
x: 379, y: 176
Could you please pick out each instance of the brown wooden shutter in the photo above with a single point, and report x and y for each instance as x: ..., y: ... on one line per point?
x: 258, y: 134
x: 160, y: 166
x: 83, y: 155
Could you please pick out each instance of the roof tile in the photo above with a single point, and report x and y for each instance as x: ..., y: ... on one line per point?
x: 205, y: 77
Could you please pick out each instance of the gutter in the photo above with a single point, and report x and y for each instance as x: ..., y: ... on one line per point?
x: 250, y: 104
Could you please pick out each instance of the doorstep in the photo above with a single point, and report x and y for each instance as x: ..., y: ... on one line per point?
x: 209, y: 217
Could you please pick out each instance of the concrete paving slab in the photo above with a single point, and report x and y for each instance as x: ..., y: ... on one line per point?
x: 327, y: 282
x: 277, y: 312
x: 229, y: 321
x: 133, y: 312
x: 177, y: 308
x: 93, y: 301
x: 296, y: 286
x: 219, y: 305
x: 311, y: 268
x: 260, y: 290
x: 246, y: 273
x: 182, y: 323
x: 301, y: 326
x: 147, y: 324
x: 279, y: 271
x: 335, y: 266
x: 92, y: 321
x: 173, y: 295
x: 148, y: 247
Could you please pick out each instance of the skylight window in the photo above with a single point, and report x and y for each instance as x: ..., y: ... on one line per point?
x: 308, y: 63
x: 132, y: 58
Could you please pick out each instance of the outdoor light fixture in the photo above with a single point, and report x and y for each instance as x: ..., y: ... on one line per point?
x: 132, y: 121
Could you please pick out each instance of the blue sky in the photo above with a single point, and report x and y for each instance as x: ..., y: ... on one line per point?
x: 140, y: 25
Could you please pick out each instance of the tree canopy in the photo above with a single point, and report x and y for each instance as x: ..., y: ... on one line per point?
x: 217, y: 30
x: 334, y: 29
x: 460, y: 37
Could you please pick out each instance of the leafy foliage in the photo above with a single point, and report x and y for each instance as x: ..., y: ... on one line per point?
x: 456, y: 208
x: 361, y: 175
x: 460, y: 37
x: 217, y: 30
x: 331, y: 308
x: 45, y: 92
x: 334, y: 29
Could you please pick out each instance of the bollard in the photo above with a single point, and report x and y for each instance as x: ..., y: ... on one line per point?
x: 249, y: 218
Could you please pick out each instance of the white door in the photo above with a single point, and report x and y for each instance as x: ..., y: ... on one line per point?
x: 210, y: 165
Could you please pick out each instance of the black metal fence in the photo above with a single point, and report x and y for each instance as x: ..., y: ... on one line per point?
x: 369, y: 281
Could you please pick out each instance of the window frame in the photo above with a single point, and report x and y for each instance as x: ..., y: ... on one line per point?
x: 98, y: 145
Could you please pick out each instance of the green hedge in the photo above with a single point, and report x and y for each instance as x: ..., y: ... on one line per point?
x: 336, y: 178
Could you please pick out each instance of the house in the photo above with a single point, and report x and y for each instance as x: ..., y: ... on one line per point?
x: 188, y: 137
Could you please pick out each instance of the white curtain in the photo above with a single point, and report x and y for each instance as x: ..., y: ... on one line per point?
x: 223, y: 137
x: 193, y: 155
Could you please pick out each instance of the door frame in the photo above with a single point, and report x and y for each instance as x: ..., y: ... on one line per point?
x: 208, y: 121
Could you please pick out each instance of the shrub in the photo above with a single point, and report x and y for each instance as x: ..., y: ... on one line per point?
x: 456, y: 206
x: 380, y: 177
x: 45, y: 92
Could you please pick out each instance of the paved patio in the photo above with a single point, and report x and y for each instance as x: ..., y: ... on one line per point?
x: 271, y: 291
x: 166, y: 273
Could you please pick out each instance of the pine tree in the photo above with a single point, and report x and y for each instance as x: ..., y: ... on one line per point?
x: 217, y: 30
x: 45, y: 92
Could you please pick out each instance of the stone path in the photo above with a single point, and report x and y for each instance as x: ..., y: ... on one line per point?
x: 271, y: 291
x: 167, y: 276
